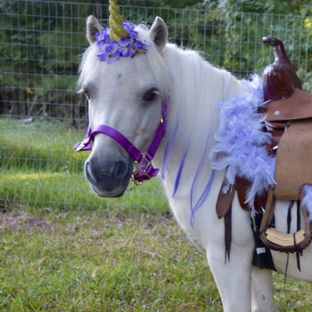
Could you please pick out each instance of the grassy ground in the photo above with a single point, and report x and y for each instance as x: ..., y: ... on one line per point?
x: 39, y: 167
x: 110, y: 261
x: 100, y: 261
x: 64, y: 249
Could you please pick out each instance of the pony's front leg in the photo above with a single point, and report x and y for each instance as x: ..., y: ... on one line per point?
x: 233, y: 278
x: 262, y: 290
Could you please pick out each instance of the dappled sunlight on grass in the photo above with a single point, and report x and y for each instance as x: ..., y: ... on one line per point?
x: 39, y: 167
x: 71, y: 191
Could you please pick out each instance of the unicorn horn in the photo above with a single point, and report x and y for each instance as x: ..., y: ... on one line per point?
x: 115, y: 21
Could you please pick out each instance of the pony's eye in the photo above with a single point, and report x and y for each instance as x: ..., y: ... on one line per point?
x: 86, y: 94
x: 151, y: 96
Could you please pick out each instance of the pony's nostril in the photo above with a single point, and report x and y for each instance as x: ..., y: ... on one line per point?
x: 120, y: 169
x: 89, y: 174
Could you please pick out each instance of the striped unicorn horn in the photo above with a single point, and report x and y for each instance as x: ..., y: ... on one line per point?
x: 115, y: 21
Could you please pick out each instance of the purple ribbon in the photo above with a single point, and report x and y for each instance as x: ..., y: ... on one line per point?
x: 143, y: 168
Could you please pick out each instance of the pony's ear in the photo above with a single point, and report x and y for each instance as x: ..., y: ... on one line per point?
x: 159, y: 33
x: 93, y: 27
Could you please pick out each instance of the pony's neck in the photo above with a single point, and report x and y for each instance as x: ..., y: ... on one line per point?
x: 193, y: 117
x: 195, y: 88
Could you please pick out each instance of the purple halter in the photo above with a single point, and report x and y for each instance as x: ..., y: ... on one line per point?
x: 143, y: 168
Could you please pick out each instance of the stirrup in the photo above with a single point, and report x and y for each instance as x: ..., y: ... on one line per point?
x: 277, y: 240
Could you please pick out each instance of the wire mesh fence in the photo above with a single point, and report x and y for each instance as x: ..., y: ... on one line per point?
x: 41, y: 115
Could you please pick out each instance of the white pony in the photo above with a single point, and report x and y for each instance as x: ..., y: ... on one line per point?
x: 127, y: 95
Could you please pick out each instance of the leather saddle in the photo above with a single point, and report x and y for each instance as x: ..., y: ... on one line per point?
x: 292, y: 116
x: 289, y: 111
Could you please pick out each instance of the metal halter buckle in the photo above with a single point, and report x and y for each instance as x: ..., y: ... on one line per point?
x: 141, y: 167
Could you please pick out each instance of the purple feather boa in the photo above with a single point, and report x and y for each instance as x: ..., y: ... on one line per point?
x: 240, y: 140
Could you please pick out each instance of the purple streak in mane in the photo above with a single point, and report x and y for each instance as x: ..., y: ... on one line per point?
x: 205, y: 193
x: 202, y: 197
x: 177, y: 181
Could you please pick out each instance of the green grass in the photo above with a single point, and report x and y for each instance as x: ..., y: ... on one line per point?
x: 42, y: 146
x: 102, y: 262
x: 110, y: 261
x: 64, y: 249
x: 71, y: 191
x: 40, y: 168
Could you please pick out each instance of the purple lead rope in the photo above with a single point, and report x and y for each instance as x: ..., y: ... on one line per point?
x: 143, y: 168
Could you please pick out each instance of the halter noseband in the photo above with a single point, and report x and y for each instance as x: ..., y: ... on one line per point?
x: 143, y: 168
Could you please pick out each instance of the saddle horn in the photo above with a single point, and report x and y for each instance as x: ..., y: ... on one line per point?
x: 279, y: 78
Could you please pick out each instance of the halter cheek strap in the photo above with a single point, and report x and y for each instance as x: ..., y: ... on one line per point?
x: 143, y: 168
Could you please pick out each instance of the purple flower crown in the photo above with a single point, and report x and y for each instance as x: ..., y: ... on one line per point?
x: 112, y: 50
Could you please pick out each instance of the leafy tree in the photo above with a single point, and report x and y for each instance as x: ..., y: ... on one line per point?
x: 162, y: 3
x: 247, y: 21
x: 302, y: 7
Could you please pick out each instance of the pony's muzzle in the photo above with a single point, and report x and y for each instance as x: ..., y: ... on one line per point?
x: 109, y: 178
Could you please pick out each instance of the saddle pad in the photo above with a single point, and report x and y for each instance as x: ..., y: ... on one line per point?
x: 293, y: 160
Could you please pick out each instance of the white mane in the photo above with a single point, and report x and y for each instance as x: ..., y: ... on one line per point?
x: 194, y: 89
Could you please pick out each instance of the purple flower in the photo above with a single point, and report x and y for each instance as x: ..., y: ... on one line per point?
x: 124, y: 47
x: 111, y: 51
x: 102, y: 46
x: 130, y: 29
x: 112, y: 48
x: 102, y: 36
x: 123, y: 42
x: 139, y: 44
x: 110, y: 58
x: 124, y: 51
x: 101, y: 56
x: 132, y: 50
